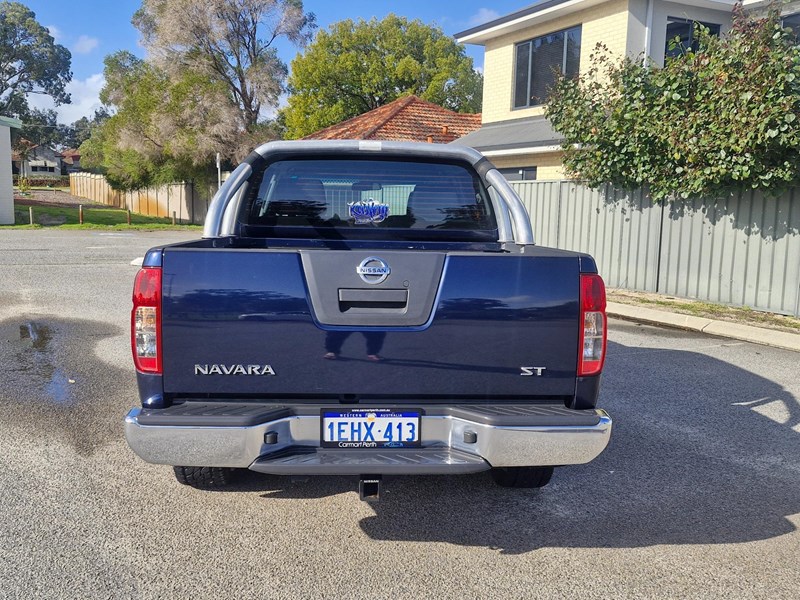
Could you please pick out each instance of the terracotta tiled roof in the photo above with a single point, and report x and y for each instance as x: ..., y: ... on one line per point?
x: 70, y: 157
x: 408, y: 119
x: 16, y: 157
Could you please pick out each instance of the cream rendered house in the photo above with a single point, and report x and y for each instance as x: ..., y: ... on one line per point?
x: 6, y: 184
x: 523, y: 48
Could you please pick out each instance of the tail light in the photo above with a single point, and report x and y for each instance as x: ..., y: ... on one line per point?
x: 146, y: 321
x: 593, y: 330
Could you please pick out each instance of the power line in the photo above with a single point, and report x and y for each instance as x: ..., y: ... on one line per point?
x: 42, y: 126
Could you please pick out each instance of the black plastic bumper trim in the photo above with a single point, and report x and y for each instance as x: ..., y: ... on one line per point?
x: 248, y: 414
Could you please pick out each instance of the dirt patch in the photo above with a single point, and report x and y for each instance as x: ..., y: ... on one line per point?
x: 55, y: 198
x: 49, y: 220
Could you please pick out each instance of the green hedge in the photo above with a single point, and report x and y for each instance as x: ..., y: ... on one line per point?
x: 39, y: 181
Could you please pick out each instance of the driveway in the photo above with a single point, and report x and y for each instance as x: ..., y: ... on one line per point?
x: 696, y: 496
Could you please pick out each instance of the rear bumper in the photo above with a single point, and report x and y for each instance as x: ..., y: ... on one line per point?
x: 233, y: 435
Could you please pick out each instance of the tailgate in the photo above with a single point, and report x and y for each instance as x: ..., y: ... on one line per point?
x: 265, y: 323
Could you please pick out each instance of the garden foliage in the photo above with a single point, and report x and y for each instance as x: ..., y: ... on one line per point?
x: 357, y: 66
x: 721, y: 117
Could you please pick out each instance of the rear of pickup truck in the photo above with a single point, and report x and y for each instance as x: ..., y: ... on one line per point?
x: 367, y: 309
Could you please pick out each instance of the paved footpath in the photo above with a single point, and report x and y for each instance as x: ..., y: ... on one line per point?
x: 735, y: 331
x: 697, y: 495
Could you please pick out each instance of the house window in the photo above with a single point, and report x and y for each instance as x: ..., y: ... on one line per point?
x: 519, y: 173
x: 539, y: 62
x: 686, y: 31
x: 793, y: 22
x: 34, y: 168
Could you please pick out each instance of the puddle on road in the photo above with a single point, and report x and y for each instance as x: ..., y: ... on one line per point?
x: 39, y: 335
x: 52, y: 383
x: 33, y: 363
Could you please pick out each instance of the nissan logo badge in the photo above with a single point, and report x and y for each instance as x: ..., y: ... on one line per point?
x: 373, y: 270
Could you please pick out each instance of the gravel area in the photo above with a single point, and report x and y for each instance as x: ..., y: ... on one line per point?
x: 54, y: 198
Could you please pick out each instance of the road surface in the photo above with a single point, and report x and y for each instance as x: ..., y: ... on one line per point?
x: 698, y: 494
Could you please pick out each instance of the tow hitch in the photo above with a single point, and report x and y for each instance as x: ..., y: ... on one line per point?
x: 369, y: 488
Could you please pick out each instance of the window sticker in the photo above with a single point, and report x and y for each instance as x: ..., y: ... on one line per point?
x: 368, y: 211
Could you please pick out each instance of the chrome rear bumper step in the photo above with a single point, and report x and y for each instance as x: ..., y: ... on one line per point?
x: 319, y: 461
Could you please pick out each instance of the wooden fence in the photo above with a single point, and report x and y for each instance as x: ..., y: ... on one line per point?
x: 186, y: 201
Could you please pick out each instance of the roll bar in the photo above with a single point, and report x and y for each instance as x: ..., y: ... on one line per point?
x: 219, y: 203
x: 523, y: 232
x: 513, y: 222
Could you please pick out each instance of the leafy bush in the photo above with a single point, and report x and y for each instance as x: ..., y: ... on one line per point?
x: 722, y: 117
x: 54, y: 181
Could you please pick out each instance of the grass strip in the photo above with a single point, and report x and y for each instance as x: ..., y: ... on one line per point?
x: 66, y: 217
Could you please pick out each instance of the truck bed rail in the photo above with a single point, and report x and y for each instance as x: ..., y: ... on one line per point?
x: 513, y: 222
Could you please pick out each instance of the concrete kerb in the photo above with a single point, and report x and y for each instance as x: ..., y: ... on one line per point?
x: 736, y: 331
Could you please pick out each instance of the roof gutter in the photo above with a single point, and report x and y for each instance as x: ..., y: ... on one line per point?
x: 515, y: 151
x: 536, y: 13
x: 551, y: 9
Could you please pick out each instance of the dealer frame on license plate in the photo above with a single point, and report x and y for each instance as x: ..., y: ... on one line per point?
x: 370, y: 428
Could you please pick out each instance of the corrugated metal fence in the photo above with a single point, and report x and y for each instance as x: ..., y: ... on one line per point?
x: 743, y: 249
x: 189, y: 202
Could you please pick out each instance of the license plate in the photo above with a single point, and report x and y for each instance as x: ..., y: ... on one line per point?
x: 376, y: 428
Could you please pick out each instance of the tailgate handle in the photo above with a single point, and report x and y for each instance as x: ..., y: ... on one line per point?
x: 354, y: 299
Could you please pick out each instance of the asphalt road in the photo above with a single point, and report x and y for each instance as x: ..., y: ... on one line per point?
x: 698, y: 494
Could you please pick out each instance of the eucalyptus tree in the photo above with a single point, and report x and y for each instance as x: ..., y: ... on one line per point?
x: 211, y: 76
x: 30, y: 61
x: 231, y: 41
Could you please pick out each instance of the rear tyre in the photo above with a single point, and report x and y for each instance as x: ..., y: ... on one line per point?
x: 204, y: 478
x: 522, y: 477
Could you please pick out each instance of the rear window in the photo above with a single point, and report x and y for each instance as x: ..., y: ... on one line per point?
x: 354, y: 197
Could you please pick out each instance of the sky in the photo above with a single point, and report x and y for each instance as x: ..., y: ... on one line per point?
x: 93, y: 29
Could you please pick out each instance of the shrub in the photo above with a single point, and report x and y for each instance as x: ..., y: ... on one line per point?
x: 722, y: 117
x: 39, y: 181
